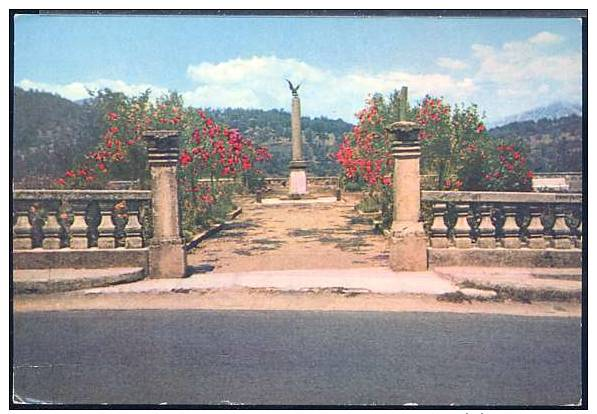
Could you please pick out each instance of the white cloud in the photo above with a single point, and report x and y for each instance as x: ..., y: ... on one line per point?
x: 450, y: 63
x: 504, y: 79
x: 244, y: 70
x: 78, y: 90
x: 545, y: 38
x: 527, y: 71
x: 259, y: 82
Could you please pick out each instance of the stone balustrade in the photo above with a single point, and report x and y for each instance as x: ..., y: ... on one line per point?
x: 549, y: 224
x: 81, y: 219
x: 331, y: 181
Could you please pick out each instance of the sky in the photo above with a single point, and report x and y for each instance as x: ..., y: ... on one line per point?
x: 504, y: 65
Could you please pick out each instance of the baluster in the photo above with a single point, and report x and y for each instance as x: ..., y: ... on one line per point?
x: 573, y: 221
x: 146, y: 222
x: 510, y: 228
x: 92, y: 219
x: 450, y: 222
x: 52, y: 229
x: 548, y: 221
x: 439, y: 230
x: 106, y: 228
x: 37, y: 221
x: 498, y: 219
x: 486, y: 229
x: 22, y: 230
x: 120, y: 219
x: 133, y: 229
x: 65, y: 220
x: 523, y: 219
x: 78, y: 228
x: 462, y: 229
x: 535, y: 228
x: 473, y: 220
x: 561, y: 232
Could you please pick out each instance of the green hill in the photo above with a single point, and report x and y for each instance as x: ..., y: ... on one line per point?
x: 50, y: 133
x: 321, y: 137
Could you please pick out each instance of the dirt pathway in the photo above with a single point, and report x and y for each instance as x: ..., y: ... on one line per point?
x: 297, y: 236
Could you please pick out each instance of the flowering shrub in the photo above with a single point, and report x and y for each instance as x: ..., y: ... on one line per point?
x: 507, y: 169
x: 455, y: 147
x: 208, y: 151
x: 364, y: 153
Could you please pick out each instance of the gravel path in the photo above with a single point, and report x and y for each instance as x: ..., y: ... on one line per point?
x: 285, y: 237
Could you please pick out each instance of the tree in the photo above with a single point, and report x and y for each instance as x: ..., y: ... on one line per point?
x: 455, y: 147
x: 208, y: 150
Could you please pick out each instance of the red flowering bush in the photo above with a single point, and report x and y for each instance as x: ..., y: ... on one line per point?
x: 455, y: 148
x: 365, y: 157
x: 458, y: 150
x: 506, y: 169
x: 364, y: 153
x: 208, y: 150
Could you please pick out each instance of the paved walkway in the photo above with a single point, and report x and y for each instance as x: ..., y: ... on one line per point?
x: 361, y: 280
x: 60, y: 280
x: 293, y: 236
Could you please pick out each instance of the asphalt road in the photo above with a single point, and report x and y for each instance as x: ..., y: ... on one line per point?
x: 271, y: 357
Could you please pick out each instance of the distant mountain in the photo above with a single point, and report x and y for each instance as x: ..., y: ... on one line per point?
x: 552, y: 111
x: 555, y: 145
x: 84, y: 101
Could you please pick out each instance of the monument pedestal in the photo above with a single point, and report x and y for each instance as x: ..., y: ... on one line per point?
x: 297, y: 182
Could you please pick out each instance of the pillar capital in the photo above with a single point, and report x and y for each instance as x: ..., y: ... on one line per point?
x: 162, y: 147
x: 405, y: 139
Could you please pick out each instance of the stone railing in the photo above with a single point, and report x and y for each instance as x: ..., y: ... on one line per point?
x: 331, y: 181
x: 81, y: 219
x: 106, y: 228
x: 506, y: 221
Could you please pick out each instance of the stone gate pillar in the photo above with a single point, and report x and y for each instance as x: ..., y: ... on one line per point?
x: 167, y: 257
x: 408, y: 242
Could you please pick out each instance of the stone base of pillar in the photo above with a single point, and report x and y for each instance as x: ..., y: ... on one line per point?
x: 167, y: 260
x: 408, y: 247
x: 297, y: 182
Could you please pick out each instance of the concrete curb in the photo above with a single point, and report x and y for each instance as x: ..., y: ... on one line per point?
x: 360, y: 280
x: 522, y: 292
x: 78, y: 282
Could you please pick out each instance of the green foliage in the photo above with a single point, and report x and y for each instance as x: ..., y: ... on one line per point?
x: 321, y: 137
x: 554, y: 144
x: 369, y: 205
x: 210, y: 205
x: 49, y: 132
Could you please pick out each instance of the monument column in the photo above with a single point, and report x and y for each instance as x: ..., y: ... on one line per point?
x: 298, y: 175
x: 408, y: 242
x: 167, y: 257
